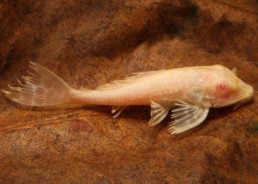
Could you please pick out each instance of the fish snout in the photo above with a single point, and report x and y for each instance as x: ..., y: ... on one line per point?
x: 247, y: 92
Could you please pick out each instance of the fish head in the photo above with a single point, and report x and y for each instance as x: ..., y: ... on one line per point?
x: 226, y: 88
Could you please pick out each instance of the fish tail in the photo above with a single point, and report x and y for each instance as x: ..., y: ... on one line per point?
x: 40, y: 88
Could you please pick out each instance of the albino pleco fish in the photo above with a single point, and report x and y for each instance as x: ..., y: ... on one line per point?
x: 190, y: 92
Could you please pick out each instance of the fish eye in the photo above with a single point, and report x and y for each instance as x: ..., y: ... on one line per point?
x: 222, y: 86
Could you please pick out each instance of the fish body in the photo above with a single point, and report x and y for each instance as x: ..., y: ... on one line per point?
x: 163, y: 86
x: 190, y: 92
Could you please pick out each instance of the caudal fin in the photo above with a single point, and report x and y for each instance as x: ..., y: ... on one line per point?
x: 40, y: 88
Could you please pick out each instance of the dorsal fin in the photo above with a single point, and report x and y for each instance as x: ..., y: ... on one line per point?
x: 128, y: 80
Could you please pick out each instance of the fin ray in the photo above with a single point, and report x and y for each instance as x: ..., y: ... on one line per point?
x: 41, y: 87
x: 117, y: 110
x: 158, y: 113
x: 186, y: 116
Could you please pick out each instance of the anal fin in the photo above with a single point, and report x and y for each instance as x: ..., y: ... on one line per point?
x: 117, y: 110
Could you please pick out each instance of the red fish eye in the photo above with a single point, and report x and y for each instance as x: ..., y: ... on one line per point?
x: 222, y: 86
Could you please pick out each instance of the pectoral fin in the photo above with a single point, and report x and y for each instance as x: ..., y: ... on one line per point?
x: 158, y: 113
x: 186, y: 116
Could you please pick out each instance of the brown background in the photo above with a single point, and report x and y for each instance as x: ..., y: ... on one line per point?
x: 89, y: 43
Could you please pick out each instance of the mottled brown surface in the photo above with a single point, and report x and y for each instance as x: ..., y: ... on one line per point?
x: 92, y: 42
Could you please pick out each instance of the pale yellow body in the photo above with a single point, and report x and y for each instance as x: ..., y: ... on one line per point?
x: 192, y: 89
x: 164, y: 86
x: 194, y: 85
